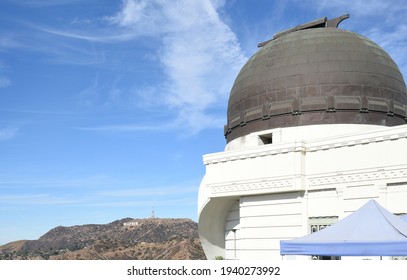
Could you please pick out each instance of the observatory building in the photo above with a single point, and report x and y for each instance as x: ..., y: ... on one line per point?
x: 316, y: 127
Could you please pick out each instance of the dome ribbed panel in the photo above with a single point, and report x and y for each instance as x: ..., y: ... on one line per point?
x: 316, y: 76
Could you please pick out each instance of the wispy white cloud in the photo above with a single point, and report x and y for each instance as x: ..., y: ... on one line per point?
x: 38, y: 199
x: 87, y: 182
x: 8, y: 133
x: 4, y: 82
x: 135, y: 13
x: 37, y: 112
x: 121, y: 197
x: 8, y: 42
x: 57, y: 46
x: 142, y: 203
x: 90, y: 95
x: 101, y: 37
x: 42, y: 3
x: 132, y: 127
x: 150, y: 192
x: 199, y: 54
x: 358, y: 6
x: 102, y: 93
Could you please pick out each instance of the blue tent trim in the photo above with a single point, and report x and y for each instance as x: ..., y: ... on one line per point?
x: 369, y: 231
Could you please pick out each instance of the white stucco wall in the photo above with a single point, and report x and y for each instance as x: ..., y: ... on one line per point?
x: 313, y: 171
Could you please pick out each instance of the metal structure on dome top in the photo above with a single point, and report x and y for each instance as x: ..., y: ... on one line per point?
x: 322, y: 22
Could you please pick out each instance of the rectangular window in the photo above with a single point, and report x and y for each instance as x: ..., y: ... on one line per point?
x: 266, y: 139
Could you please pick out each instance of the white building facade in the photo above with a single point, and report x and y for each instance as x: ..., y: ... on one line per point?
x: 315, y: 130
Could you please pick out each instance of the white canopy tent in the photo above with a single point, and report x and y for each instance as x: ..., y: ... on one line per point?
x: 370, y: 231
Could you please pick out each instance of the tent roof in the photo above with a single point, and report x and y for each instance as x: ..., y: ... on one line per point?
x: 370, y: 231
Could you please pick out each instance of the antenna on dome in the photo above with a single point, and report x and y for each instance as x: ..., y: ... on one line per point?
x: 318, y: 23
x: 152, y: 212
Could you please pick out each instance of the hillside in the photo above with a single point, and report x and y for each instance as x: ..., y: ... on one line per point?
x: 137, y: 239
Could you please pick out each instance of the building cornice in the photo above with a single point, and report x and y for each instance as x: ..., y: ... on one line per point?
x: 304, y: 146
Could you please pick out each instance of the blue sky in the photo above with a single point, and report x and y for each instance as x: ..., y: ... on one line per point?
x: 106, y: 107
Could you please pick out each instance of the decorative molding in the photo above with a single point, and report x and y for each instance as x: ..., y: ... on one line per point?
x: 353, y: 177
x: 314, y: 146
x: 263, y: 185
x: 329, y: 181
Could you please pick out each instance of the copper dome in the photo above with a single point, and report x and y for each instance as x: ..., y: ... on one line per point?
x: 316, y: 74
